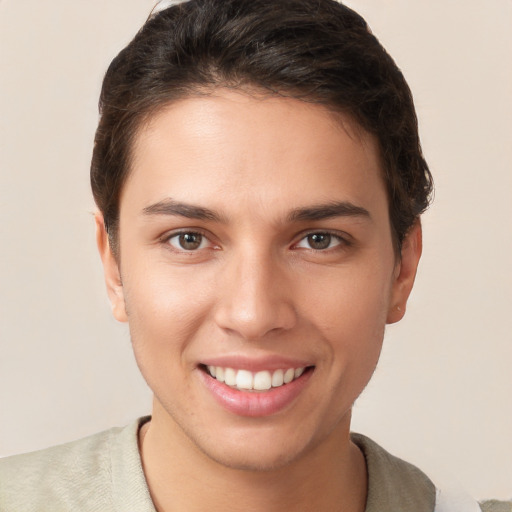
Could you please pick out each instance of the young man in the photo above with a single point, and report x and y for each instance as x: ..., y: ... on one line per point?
x: 259, y: 181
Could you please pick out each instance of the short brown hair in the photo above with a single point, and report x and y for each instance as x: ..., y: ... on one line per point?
x: 314, y: 50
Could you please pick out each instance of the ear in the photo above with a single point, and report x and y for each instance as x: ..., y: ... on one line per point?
x: 111, y: 270
x: 405, y: 273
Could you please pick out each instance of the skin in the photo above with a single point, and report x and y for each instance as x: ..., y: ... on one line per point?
x: 255, y: 288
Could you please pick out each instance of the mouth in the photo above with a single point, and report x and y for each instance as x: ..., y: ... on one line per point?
x: 264, y: 380
x: 255, y: 387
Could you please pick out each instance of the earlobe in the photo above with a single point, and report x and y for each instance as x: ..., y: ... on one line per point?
x: 111, y: 270
x: 405, y: 273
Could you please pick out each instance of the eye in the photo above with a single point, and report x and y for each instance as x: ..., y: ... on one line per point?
x: 319, y: 241
x: 188, y: 241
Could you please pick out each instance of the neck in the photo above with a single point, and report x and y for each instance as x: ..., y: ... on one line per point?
x: 330, y: 476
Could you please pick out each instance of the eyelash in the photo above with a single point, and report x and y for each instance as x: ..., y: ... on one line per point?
x: 342, y: 241
x: 176, y: 235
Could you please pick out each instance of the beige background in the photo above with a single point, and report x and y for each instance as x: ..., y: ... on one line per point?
x: 441, y: 396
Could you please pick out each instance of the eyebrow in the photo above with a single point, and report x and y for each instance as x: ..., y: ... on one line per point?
x: 327, y: 211
x: 171, y: 207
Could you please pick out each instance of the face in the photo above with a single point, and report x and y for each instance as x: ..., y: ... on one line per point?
x: 256, y: 272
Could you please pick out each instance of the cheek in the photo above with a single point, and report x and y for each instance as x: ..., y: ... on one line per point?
x: 355, y: 335
x: 350, y: 312
x: 354, y: 299
x: 165, y: 311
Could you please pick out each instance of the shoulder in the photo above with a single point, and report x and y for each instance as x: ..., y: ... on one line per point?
x: 393, y: 484
x: 396, y: 485
x: 496, y: 506
x: 65, y: 474
x: 72, y: 476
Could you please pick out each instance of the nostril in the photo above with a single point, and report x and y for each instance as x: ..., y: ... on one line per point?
x: 255, y: 320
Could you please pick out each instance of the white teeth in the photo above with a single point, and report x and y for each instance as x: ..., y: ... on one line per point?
x: 262, y: 381
x: 230, y: 377
x: 277, y: 378
x: 289, y: 375
x: 259, y: 381
x: 244, y: 380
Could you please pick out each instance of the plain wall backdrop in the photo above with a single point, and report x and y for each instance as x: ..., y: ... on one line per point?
x: 442, y: 393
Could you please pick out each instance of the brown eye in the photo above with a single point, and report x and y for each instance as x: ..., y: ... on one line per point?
x: 187, y: 241
x: 319, y: 241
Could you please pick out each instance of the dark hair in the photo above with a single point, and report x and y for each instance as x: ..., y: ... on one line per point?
x: 314, y: 50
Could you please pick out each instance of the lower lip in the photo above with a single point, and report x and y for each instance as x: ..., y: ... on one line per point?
x: 255, y: 403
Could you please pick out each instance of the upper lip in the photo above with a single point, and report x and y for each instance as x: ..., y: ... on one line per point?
x: 255, y: 364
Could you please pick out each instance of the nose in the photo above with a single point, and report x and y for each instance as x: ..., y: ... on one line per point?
x: 255, y: 298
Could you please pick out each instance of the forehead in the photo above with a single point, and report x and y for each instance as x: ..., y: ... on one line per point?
x: 255, y: 150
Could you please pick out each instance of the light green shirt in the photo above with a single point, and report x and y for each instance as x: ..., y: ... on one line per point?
x: 103, y: 473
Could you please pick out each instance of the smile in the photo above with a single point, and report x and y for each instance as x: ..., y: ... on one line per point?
x: 256, y: 381
x: 258, y: 393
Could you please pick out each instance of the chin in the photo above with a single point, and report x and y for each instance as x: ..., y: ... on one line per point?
x: 261, y: 449
x: 253, y: 458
